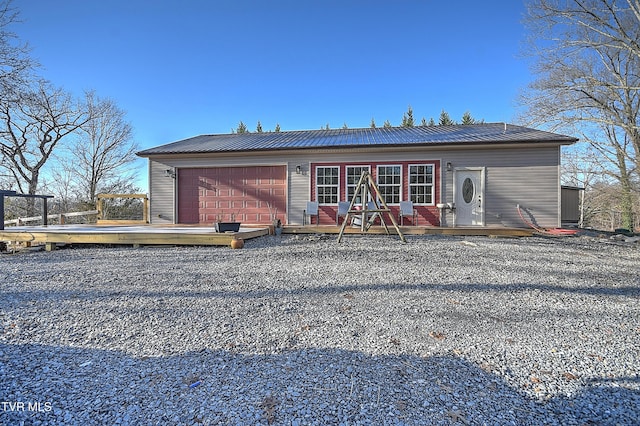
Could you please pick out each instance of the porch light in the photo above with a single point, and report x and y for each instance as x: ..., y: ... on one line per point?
x: 449, y: 166
x: 298, y: 169
x: 170, y: 173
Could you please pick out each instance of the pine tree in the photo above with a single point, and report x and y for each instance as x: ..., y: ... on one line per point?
x: 277, y: 129
x: 386, y: 123
x: 407, y: 118
x: 432, y: 122
x: 259, y: 127
x: 373, y: 123
x: 344, y: 126
x: 467, y: 118
x: 410, y: 121
x: 423, y: 122
x: 242, y: 128
x: 445, y: 120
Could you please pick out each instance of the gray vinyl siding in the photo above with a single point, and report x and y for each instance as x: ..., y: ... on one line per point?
x: 299, y: 190
x: 533, y: 188
x: 528, y: 176
x: 162, y: 194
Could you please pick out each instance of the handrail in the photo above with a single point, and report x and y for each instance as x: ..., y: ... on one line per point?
x: 10, y: 193
x: 105, y: 221
x: 60, y: 216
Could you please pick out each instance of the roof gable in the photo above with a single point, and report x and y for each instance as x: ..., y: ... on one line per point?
x: 490, y: 133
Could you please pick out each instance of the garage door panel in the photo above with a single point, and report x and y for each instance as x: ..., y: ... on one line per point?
x: 238, y: 205
x: 204, y: 194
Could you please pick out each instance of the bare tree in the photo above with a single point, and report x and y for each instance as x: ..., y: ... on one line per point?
x: 15, y: 68
x: 64, y: 188
x: 601, y: 206
x: 103, y: 150
x: 6, y: 179
x: 581, y: 167
x: 36, y: 119
x: 15, y: 62
x: 31, y: 126
x: 587, y: 60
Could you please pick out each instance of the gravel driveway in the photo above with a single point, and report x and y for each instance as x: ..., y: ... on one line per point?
x: 303, y: 330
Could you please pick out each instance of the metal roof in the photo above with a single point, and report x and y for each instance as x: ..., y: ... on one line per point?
x: 489, y: 133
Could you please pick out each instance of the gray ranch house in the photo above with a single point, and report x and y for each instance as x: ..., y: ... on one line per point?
x: 463, y: 175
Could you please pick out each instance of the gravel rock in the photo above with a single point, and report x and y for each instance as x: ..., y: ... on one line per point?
x: 305, y: 331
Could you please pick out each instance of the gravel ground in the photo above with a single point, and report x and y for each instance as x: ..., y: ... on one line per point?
x: 305, y: 331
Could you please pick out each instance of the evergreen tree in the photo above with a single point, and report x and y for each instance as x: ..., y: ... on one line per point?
x: 467, y: 118
x: 373, y: 123
x: 277, y: 129
x: 407, y: 118
x: 445, y: 120
x: 423, y: 122
x: 432, y: 122
x: 344, y: 126
x: 259, y: 127
x: 242, y: 128
x: 386, y: 123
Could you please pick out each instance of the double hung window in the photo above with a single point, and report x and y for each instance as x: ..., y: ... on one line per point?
x: 421, y: 183
x: 353, y: 177
x: 327, y: 184
x: 390, y: 183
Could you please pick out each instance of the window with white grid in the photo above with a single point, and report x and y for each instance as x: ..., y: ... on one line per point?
x: 353, y: 177
x: 421, y: 183
x: 327, y: 184
x: 390, y: 183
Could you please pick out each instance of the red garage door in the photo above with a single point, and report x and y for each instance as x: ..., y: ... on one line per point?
x: 208, y: 193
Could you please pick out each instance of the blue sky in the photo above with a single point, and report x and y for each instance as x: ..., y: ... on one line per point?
x: 181, y: 69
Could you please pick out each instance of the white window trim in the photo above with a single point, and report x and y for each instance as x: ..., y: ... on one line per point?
x: 433, y: 184
x: 346, y: 185
x: 338, y: 185
x: 401, y: 180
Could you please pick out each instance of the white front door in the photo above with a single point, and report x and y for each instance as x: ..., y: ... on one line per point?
x: 469, y: 195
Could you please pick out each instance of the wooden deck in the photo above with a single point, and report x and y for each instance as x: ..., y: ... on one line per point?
x: 413, y: 230
x: 133, y: 235
x: 206, y: 235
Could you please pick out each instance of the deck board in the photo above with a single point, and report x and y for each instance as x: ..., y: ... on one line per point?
x: 413, y: 230
x: 93, y: 234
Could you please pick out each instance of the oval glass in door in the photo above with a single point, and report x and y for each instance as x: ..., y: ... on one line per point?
x: 468, y: 190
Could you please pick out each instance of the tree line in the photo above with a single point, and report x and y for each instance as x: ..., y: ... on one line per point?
x: 407, y: 121
x: 52, y: 141
x: 586, y: 63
